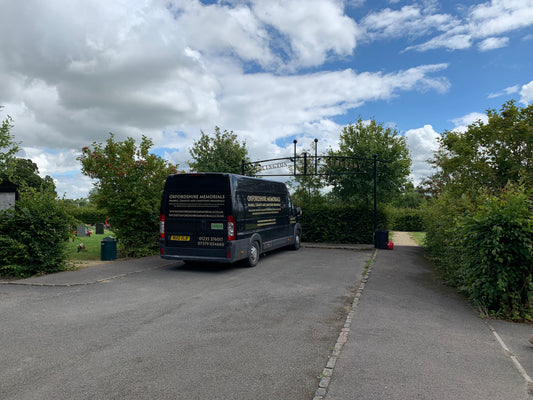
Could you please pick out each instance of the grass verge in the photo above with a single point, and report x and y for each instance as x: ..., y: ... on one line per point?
x: 92, y: 247
x: 419, y: 237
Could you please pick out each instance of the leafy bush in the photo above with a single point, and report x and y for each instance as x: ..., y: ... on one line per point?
x: 484, y: 246
x: 335, y: 223
x: 443, y: 240
x: 498, y: 245
x: 34, y: 235
x: 129, y: 183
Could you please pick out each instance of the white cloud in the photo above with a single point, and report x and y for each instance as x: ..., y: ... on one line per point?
x: 73, y: 185
x: 462, y: 123
x: 218, y: 30
x: 493, y: 43
x: 484, y: 22
x: 422, y: 142
x: 526, y: 93
x: 272, y: 33
x: 313, y: 28
x: 410, y: 21
x: 57, y: 161
x: 505, y: 92
x: 500, y: 16
x: 262, y: 96
x: 450, y: 41
x: 355, y: 3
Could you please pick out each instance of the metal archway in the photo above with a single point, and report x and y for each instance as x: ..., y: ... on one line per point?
x: 288, y: 162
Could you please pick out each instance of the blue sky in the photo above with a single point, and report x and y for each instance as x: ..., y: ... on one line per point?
x: 72, y: 71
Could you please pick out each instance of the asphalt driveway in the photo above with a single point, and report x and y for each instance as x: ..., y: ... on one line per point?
x: 154, y: 329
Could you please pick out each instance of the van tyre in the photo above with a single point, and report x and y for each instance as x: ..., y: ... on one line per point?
x: 253, y: 254
x: 297, y: 240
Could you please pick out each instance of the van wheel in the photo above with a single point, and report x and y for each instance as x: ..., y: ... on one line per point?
x: 253, y: 254
x: 297, y: 241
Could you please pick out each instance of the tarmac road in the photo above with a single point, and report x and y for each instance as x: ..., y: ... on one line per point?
x: 412, y: 337
x: 154, y: 329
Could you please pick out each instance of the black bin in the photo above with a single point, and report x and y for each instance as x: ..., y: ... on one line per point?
x: 108, y: 249
x: 381, y: 237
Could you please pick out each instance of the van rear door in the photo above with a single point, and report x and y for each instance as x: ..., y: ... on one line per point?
x: 195, y: 209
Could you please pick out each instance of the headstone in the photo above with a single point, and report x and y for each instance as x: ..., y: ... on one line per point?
x: 82, y: 231
x: 100, y: 229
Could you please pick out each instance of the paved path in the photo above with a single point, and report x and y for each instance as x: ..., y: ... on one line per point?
x: 410, y: 337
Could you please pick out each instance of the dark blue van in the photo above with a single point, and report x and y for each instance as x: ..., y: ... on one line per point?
x: 225, y: 218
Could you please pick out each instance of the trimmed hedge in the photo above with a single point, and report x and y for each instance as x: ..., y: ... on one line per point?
x: 88, y: 214
x: 333, y: 223
x: 407, y: 219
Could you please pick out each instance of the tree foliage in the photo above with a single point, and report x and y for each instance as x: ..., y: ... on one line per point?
x: 362, y: 140
x: 25, y: 172
x: 488, y: 154
x: 129, y: 183
x: 221, y: 152
x: 85, y: 211
x: 8, y: 149
x: 480, y: 220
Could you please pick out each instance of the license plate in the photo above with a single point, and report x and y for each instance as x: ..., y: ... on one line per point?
x: 180, y: 238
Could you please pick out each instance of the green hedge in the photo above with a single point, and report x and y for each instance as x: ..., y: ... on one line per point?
x: 484, y: 246
x: 88, y: 214
x: 34, y: 236
x: 332, y: 223
x: 406, y: 219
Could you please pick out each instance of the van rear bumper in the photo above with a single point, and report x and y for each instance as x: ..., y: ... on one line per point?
x: 233, y: 251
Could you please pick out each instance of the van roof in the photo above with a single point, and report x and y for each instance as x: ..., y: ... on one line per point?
x: 234, y: 178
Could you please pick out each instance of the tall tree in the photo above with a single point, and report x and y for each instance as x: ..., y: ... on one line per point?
x: 221, y: 152
x: 488, y: 154
x: 8, y: 149
x: 25, y: 172
x: 129, y: 183
x: 350, y: 169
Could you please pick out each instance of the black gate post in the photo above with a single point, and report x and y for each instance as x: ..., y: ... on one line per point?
x: 316, y: 157
x: 242, y: 167
x: 375, y: 193
x: 294, y: 141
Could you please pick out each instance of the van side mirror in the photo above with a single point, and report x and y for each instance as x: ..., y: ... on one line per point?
x: 298, y: 211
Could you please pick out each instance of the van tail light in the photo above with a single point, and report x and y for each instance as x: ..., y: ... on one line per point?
x: 162, y: 226
x: 231, y: 228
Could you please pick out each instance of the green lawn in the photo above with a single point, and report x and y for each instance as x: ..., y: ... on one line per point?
x: 419, y: 237
x: 92, y: 247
